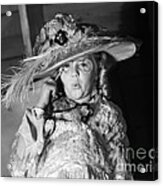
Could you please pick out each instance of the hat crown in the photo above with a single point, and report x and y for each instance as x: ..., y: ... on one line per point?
x: 60, y: 31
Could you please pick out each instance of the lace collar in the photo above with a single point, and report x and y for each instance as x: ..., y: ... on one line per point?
x: 64, y: 103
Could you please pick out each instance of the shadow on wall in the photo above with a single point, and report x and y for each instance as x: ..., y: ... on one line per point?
x: 136, y: 92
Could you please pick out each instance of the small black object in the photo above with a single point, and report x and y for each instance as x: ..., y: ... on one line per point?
x: 61, y: 37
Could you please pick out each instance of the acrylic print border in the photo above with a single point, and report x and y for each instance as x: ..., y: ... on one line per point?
x: 141, y: 75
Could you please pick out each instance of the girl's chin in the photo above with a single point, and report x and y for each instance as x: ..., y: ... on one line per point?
x: 75, y: 95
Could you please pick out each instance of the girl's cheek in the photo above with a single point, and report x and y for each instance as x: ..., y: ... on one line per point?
x: 64, y: 77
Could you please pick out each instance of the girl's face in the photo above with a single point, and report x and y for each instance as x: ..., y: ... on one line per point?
x: 78, y: 78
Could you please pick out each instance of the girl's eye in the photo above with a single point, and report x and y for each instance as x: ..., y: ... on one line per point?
x: 86, y: 65
x: 83, y: 65
x: 66, y: 67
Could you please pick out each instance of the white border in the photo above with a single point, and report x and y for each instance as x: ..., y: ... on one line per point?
x: 42, y: 182
x: 62, y: 1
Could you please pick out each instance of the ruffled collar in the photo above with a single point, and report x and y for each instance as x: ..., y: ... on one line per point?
x: 65, y: 104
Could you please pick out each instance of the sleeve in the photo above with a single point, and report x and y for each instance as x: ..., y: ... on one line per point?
x: 117, y: 143
x: 27, y: 145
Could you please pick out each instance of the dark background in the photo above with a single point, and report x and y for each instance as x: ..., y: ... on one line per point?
x: 133, y: 82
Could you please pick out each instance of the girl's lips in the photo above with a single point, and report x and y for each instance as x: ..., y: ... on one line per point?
x: 76, y: 86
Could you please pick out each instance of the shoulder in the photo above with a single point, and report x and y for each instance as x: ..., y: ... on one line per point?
x: 31, y: 126
x: 110, y: 115
x: 111, y: 109
x: 112, y: 122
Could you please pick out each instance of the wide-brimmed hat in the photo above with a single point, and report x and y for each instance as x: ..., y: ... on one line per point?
x: 62, y: 40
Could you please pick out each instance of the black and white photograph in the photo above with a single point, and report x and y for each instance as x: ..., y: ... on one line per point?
x: 79, y: 90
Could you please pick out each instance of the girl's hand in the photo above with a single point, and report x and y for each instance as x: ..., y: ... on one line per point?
x: 48, y: 89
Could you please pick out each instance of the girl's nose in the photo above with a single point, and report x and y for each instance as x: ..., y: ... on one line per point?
x: 74, y: 70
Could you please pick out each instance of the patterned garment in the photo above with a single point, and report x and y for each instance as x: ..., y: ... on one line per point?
x: 73, y: 141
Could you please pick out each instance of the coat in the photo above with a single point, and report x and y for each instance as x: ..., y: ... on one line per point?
x: 72, y: 141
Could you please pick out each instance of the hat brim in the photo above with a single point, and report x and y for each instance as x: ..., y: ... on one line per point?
x: 120, y: 50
